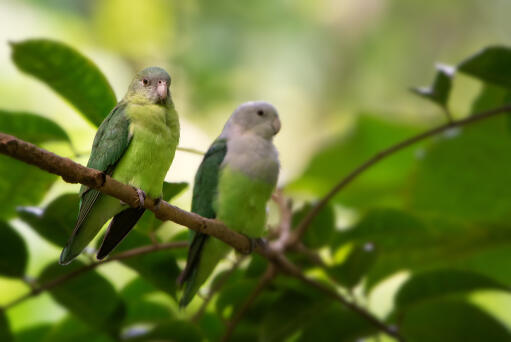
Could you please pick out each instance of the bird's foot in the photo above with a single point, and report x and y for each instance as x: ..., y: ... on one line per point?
x: 254, y: 242
x: 141, y: 197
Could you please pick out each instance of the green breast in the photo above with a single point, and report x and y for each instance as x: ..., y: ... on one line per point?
x: 241, y: 202
x: 155, y: 135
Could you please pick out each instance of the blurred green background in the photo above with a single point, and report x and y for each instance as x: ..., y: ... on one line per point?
x: 339, y: 72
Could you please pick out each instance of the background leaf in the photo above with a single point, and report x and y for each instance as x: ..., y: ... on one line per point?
x: 321, y: 228
x: 89, y: 296
x: 69, y: 73
x: 452, y: 321
x: 13, y: 254
x: 5, y: 331
x: 490, y: 65
x: 440, y: 90
x: 31, y: 127
x: 56, y: 222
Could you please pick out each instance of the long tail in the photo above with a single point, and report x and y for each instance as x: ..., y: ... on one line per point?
x: 118, y: 228
x: 203, y: 256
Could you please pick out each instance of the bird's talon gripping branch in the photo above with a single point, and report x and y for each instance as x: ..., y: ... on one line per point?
x: 141, y: 197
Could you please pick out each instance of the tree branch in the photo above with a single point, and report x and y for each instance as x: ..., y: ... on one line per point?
x: 305, y: 223
x: 36, y: 290
x: 72, y: 172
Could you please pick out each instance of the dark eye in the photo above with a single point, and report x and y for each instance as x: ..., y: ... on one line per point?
x: 260, y: 112
x: 145, y: 81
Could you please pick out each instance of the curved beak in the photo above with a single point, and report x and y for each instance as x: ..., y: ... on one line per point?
x: 275, y: 125
x: 161, y: 89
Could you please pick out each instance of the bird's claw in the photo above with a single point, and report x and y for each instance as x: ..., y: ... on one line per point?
x: 141, y: 197
x: 253, y: 242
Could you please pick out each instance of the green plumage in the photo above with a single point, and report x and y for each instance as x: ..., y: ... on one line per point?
x: 233, y: 184
x: 135, y: 144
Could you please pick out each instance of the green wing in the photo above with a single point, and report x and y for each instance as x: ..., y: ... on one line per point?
x: 204, y: 192
x: 110, y: 143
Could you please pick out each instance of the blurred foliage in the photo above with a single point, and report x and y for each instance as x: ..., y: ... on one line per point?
x: 436, y: 213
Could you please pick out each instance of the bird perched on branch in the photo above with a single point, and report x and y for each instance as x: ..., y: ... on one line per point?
x: 233, y: 184
x: 135, y: 144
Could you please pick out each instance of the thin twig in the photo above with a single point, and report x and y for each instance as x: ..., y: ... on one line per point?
x: 305, y: 223
x: 190, y: 150
x: 267, y: 277
x: 120, y: 256
x: 286, y: 216
x: 214, y: 289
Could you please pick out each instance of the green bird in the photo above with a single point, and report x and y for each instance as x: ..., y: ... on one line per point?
x: 135, y: 144
x: 233, y: 184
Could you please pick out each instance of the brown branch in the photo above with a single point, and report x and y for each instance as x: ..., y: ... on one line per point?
x: 73, y: 172
x: 305, y: 223
x: 267, y: 277
x: 36, y: 290
x: 286, y: 216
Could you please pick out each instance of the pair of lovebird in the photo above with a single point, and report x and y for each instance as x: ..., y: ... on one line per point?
x: 136, y: 143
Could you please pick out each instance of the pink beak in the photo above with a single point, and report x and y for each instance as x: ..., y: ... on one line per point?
x: 161, y: 89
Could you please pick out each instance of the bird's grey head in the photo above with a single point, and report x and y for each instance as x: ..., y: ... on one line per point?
x: 150, y: 85
x: 259, y: 118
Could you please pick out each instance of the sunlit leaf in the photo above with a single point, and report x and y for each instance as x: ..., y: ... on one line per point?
x: 13, y: 254
x: 173, y: 331
x: 441, y: 88
x: 31, y: 127
x: 71, y: 329
x: 439, y: 283
x: 490, y: 65
x: 452, y: 321
x: 69, y: 73
x: 89, y: 296
x: 56, y: 222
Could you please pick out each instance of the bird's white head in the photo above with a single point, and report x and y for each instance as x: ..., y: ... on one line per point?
x: 259, y: 118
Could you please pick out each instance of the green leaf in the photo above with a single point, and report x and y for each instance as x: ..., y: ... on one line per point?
x: 462, y: 174
x: 33, y: 333
x: 56, y: 222
x: 440, y: 283
x: 171, y: 190
x: 404, y: 241
x: 490, y: 97
x: 69, y: 73
x: 358, y: 262
x: 31, y: 127
x: 490, y: 65
x: 70, y: 329
x: 321, y: 228
x: 13, y: 254
x: 441, y: 88
x: 452, y: 321
x: 5, y: 330
x: 233, y: 294
x: 158, y: 268
x: 173, y: 331
x: 21, y: 184
x: 138, y: 308
x: 381, y: 185
x: 88, y: 296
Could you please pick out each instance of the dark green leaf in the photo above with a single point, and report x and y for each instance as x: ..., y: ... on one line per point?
x: 212, y: 326
x: 21, y: 184
x: 404, y: 241
x: 452, y: 321
x: 441, y: 88
x: 69, y: 73
x: 358, y: 262
x: 31, y: 127
x: 56, y: 222
x: 462, y: 174
x: 490, y: 65
x: 88, y: 296
x: 321, y: 228
x: 13, y: 254
x: 233, y: 294
x: 33, y: 334
x: 5, y: 330
x: 173, y: 331
x: 138, y: 308
x: 490, y: 97
x: 171, y: 190
x: 434, y: 284
x: 381, y: 185
x: 70, y: 329
x: 158, y: 268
